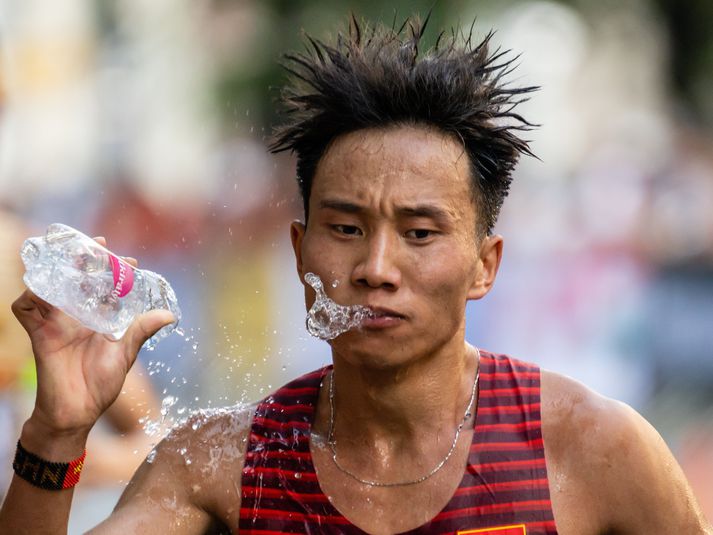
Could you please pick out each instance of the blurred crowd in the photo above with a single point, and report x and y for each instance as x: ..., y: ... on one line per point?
x: 146, y: 122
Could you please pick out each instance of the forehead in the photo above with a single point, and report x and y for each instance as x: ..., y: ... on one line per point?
x: 397, y: 163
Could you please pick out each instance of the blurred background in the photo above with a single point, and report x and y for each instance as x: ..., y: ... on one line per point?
x: 145, y: 121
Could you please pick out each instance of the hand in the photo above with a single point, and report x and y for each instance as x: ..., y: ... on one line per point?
x: 79, y: 372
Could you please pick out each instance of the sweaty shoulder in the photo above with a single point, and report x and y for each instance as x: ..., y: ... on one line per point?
x: 224, y: 429
x: 211, y: 446
x: 191, y: 483
x: 602, y: 453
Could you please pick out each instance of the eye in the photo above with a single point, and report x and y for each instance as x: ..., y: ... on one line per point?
x: 347, y: 230
x: 420, y: 233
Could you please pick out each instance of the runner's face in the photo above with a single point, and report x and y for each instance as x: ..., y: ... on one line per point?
x: 392, y: 219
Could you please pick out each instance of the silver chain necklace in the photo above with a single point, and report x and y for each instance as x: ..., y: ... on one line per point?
x: 333, y: 442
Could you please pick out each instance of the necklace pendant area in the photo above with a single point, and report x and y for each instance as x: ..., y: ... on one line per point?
x: 332, y: 442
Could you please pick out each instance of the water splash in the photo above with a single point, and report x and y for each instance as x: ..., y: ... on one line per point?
x: 327, y: 319
x: 151, y: 343
x: 166, y: 404
x: 178, y: 409
x: 157, y: 429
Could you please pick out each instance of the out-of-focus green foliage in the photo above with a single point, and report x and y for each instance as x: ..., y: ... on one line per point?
x: 291, y: 20
x: 690, y: 27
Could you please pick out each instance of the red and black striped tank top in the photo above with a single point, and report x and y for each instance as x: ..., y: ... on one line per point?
x: 504, y: 490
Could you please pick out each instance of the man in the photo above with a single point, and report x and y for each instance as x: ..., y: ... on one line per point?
x: 403, y: 163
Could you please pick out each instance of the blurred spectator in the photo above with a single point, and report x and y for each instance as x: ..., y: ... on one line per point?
x: 14, y: 345
x: 15, y: 351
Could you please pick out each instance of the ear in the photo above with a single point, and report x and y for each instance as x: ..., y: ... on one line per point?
x: 489, y: 255
x: 297, y: 233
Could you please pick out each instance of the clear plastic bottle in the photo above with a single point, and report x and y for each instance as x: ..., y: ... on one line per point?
x: 77, y: 275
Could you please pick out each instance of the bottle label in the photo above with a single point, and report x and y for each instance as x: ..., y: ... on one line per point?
x: 123, y: 277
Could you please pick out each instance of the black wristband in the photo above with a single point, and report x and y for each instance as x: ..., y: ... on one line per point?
x: 46, y: 474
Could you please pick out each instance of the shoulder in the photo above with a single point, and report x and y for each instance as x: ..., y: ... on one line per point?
x: 606, y: 454
x: 596, y: 430
x: 588, y: 434
x: 194, y: 473
x: 568, y: 406
x: 211, y: 428
x: 208, y: 450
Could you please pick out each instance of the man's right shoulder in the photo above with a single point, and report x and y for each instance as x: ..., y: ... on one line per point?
x: 209, y: 428
x: 190, y: 483
x: 210, y: 447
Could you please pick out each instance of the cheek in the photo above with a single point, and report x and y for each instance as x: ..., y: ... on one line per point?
x: 313, y: 252
x: 446, y: 279
x: 326, y: 261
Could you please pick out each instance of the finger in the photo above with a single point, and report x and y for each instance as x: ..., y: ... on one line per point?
x: 30, y: 310
x: 131, y: 261
x: 29, y: 300
x: 146, y: 325
x: 101, y: 240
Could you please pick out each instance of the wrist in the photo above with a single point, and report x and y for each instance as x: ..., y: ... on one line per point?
x: 44, y: 474
x: 53, y: 444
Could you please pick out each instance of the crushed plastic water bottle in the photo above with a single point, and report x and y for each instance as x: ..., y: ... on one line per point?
x: 102, y: 291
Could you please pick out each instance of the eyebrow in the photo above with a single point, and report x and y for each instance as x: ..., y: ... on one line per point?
x: 424, y: 210
x: 420, y: 210
x: 341, y: 206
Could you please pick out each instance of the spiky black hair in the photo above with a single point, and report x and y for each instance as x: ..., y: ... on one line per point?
x: 377, y: 76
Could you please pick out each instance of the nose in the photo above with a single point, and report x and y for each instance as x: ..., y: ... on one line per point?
x: 378, y: 266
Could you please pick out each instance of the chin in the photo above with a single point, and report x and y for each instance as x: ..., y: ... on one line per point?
x: 374, y: 353
x: 374, y: 362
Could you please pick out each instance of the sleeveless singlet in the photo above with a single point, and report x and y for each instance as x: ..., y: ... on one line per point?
x: 504, y: 489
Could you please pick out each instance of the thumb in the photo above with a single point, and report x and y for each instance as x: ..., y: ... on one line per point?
x: 146, y: 325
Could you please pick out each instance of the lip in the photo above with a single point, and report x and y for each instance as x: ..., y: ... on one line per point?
x: 382, y: 317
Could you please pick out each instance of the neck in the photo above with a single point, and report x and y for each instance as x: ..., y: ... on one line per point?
x: 392, y: 407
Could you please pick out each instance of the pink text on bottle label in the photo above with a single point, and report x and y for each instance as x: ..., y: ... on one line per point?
x: 123, y: 277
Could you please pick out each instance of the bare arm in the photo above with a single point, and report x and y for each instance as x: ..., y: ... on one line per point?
x: 652, y: 491
x: 602, y: 453
x: 28, y: 509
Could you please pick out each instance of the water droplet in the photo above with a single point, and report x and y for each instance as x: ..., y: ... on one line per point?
x: 167, y: 403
